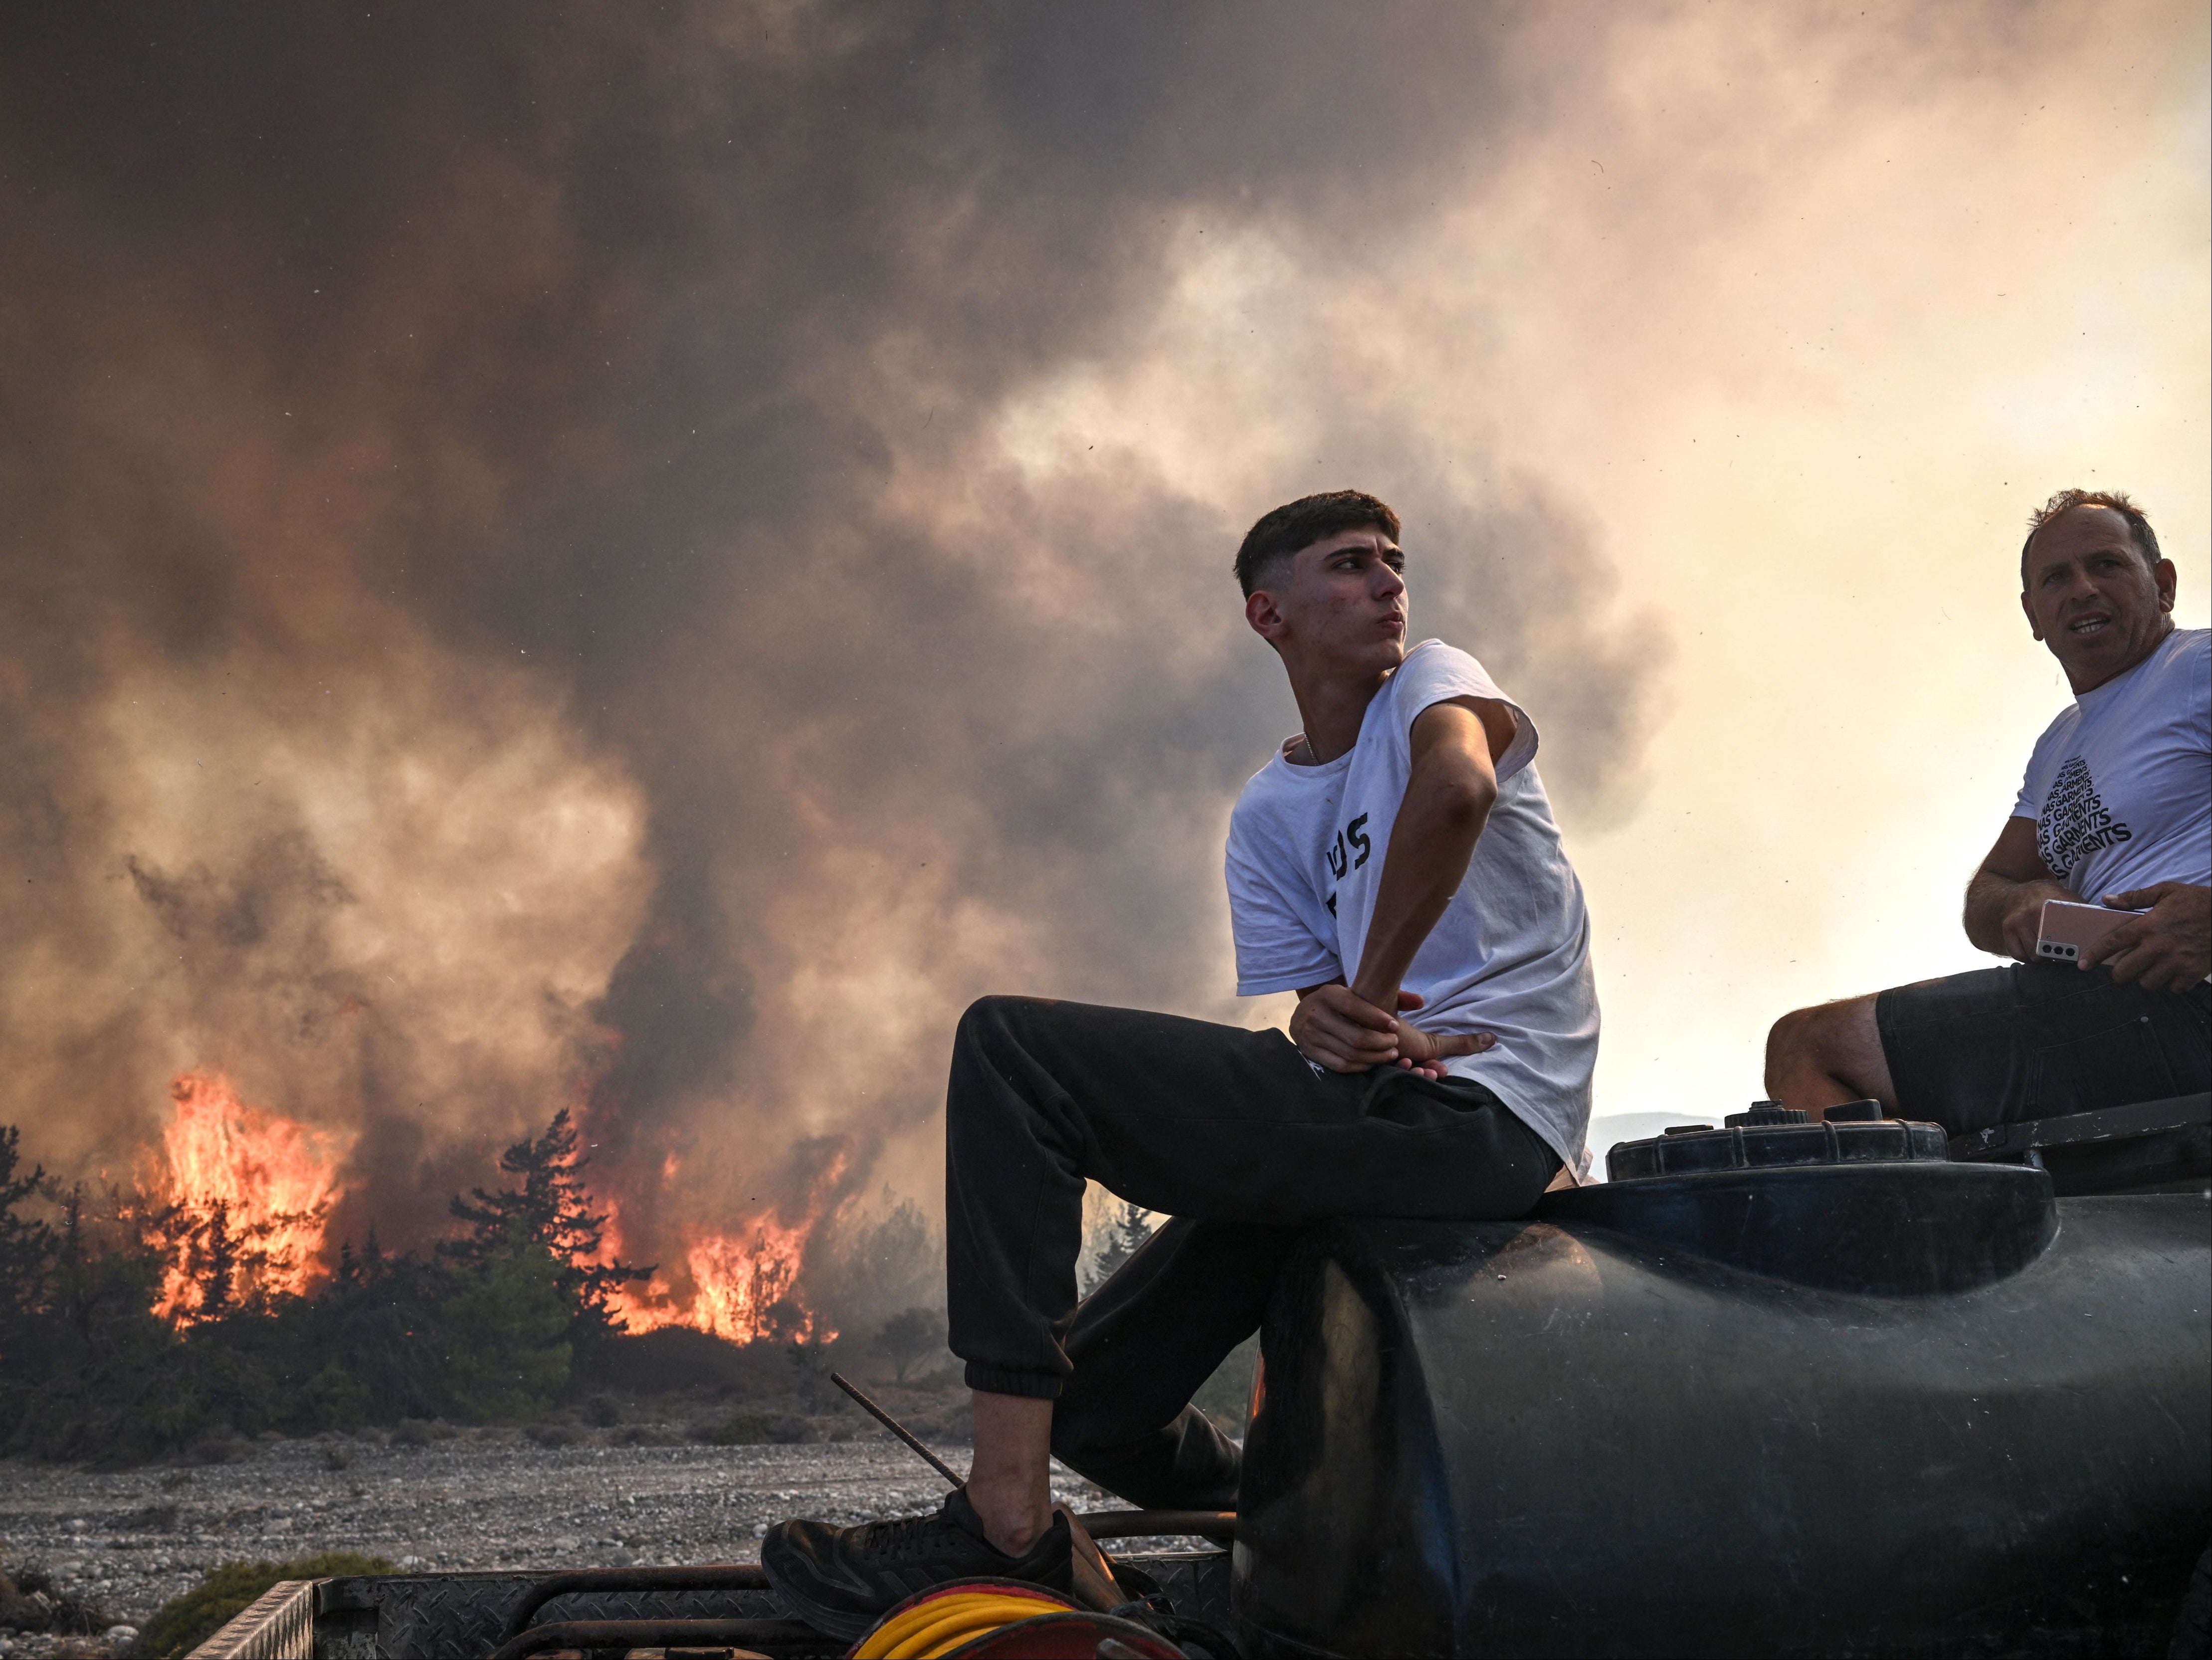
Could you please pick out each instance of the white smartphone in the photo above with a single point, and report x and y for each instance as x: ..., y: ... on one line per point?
x: 2068, y: 929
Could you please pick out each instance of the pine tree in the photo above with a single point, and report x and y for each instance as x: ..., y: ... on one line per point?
x: 508, y: 1352
x: 27, y: 1250
x: 70, y: 1257
x: 217, y: 1262
x: 552, y: 1212
x: 1127, y: 1229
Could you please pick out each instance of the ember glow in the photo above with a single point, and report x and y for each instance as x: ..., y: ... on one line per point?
x: 264, y: 1182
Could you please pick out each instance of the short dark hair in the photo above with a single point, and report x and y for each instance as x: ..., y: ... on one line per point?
x: 1302, y: 523
x: 2139, y: 529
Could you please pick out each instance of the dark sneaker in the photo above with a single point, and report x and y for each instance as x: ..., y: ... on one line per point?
x: 842, y: 1580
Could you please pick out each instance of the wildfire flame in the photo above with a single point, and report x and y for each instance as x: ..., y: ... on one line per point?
x: 265, y: 1181
x: 240, y: 1207
x: 740, y: 1283
x: 741, y: 1289
x: 743, y: 1282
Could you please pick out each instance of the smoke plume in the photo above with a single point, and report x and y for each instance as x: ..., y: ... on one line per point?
x: 641, y: 556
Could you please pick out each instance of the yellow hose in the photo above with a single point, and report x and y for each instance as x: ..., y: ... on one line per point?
x: 943, y: 1623
x: 959, y: 1638
x: 959, y: 1623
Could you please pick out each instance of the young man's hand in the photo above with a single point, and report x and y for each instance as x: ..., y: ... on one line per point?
x: 1341, y: 1032
x: 2169, y: 950
x: 1426, y: 1052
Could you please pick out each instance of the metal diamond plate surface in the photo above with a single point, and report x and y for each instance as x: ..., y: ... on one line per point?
x: 440, y: 1616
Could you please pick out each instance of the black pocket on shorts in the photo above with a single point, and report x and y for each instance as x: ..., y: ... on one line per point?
x: 2108, y: 1068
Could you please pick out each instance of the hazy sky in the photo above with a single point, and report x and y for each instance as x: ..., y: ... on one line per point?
x: 643, y: 556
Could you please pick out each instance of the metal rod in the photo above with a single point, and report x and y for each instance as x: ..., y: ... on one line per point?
x: 894, y: 1427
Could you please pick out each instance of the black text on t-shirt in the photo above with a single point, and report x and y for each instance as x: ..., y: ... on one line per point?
x: 2074, y: 822
x: 1340, y: 861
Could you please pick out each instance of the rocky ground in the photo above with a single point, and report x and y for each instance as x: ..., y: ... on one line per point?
x: 126, y: 1541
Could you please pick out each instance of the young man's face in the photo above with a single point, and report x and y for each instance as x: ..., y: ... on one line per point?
x: 1340, y: 605
x: 2092, y: 598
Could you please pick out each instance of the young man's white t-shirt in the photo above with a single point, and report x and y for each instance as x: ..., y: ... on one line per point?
x: 1510, y: 955
x: 2120, y: 784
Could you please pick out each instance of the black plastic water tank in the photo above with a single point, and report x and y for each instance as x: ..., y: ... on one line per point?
x: 1834, y: 1394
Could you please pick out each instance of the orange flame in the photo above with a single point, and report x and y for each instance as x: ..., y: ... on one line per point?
x: 272, y: 1181
x: 742, y: 1282
x: 741, y: 1289
x: 740, y: 1285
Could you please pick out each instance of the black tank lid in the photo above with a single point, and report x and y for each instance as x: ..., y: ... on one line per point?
x: 1771, y: 1136
x: 1769, y: 1112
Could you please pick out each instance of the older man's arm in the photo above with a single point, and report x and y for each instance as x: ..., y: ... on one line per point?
x: 2004, y: 900
x: 2169, y: 950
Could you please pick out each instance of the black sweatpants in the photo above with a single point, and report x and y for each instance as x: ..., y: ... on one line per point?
x: 1232, y: 1134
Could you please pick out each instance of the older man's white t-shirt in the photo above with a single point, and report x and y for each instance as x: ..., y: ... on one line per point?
x: 2120, y: 784
x: 1510, y: 954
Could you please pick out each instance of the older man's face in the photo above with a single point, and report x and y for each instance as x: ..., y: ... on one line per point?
x: 2092, y: 598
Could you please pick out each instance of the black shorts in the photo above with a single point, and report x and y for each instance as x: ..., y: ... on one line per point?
x: 2038, y: 1040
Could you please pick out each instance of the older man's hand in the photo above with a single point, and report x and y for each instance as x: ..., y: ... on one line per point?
x: 2169, y: 950
x: 2023, y: 919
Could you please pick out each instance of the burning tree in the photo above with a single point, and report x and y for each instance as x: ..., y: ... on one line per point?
x: 214, y: 1264
x: 210, y: 1258
x: 237, y: 1217
x: 550, y: 1212
x: 139, y: 1320
x: 744, y: 1290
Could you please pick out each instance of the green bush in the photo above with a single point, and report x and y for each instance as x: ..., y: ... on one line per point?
x: 755, y: 1429
x: 103, y: 1384
x: 509, y: 1349
x: 183, y: 1623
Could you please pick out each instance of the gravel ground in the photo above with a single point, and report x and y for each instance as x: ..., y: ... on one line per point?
x: 128, y: 1540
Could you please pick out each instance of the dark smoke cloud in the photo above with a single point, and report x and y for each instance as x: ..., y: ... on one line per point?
x: 523, y: 586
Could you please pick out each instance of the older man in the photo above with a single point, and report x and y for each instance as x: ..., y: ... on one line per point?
x: 2117, y: 808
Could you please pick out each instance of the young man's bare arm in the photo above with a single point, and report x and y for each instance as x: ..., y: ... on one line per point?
x: 2004, y: 899
x: 1449, y: 790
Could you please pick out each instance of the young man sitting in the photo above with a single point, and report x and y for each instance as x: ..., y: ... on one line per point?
x: 1398, y: 859
x: 2117, y: 807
